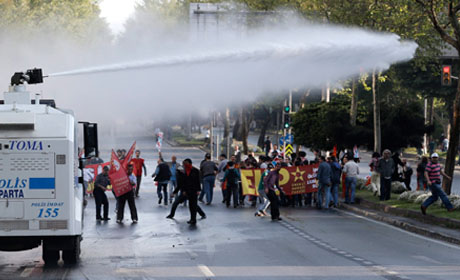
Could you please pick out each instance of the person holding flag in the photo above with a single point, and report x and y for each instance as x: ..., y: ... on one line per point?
x: 128, y: 196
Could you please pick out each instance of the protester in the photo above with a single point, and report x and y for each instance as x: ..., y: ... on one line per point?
x: 220, y: 175
x: 138, y: 164
x: 375, y: 176
x: 208, y: 171
x: 386, y: 169
x: 123, y: 154
x: 267, y: 146
x: 407, y: 173
x: 271, y: 182
x: 351, y: 171
x: 421, y: 179
x: 119, y: 154
x: 162, y: 175
x: 324, y: 182
x: 433, y: 173
x: 335, y: 180
x: 232, y: 177
x: 181, y: 192
x: 188, y: 182
x: 129, y: 196
x: 264, y: 201
x: 100, y: 186
x: 172, y: 180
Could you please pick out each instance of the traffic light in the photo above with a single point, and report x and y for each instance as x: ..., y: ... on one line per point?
x: 446, y: 75
x: 287, y: 109
x: 287, y: 121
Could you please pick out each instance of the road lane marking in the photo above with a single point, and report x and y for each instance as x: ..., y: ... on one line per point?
x: 27, y: 271
x: 206, y: 271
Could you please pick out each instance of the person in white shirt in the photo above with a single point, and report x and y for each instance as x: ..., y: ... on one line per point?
x: 351, y: 171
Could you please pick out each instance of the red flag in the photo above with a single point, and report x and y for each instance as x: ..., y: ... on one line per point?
x: 129, y: 155
x: 334, y: 152
x: 118, y: 176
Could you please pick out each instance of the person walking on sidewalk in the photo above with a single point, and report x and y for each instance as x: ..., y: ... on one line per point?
x: 100, y: 186
x: 138, y: 164
x: 162, y: 175
x: 129, y: 196
x: 324, y: 182
x: 433, y: 173
x: 386, y: 169
x: 208, y: 171
x: 351, y: 171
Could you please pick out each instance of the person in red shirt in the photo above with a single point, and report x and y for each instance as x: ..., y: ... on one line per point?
x: 138, y: 164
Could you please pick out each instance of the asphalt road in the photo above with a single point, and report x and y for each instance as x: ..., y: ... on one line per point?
x: 234, y: 244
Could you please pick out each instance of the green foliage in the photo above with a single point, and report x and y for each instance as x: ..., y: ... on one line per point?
x: 77, y: 19
x: 323, y: 125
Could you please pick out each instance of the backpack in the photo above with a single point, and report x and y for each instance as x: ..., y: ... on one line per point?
x: 232, y: 177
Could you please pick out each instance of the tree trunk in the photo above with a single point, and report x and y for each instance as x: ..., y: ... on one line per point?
x: 263, y: 130
x: 245, y: 130
x: 237, y: 128
x: 453, y: 142
x: 227, y: 123
x: 376, y: 109
x: 354, y: 103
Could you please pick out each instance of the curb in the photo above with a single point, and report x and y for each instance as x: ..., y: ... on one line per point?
x: 401, y: 224
x: 416, y: 215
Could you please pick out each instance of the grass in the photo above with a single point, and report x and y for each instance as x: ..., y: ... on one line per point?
x: 181, y: 139
x: 432, y: 210
x: 413, y: 151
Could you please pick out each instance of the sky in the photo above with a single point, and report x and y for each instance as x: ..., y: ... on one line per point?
x: 116, y: 12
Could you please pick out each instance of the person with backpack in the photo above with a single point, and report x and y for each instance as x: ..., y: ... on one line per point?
x: 162, y: 175
x: 335, y: 180
x: 232, y: 176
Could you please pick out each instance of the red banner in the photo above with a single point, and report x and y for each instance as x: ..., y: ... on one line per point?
x: 129, y: 155
x: 293, y: 180
x: 118, y: 177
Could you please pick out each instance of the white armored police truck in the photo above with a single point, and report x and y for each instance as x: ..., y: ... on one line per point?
x: 41, y: 199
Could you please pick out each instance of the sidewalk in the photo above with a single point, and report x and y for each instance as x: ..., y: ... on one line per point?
x: 447, y: 230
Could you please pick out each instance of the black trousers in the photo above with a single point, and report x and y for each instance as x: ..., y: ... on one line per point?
x: 385, y: 188
x: 129, y: 196
x: 181, y: 199
x: 101, y: 199
x: 139, y: 179
x: 232, y: 190
x: 274, y: 208
x: 193, y: 206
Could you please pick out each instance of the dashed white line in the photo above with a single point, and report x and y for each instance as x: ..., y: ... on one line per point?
x: 206, y: 271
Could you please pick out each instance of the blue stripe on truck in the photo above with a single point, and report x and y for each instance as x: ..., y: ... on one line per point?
x: 42, y: 183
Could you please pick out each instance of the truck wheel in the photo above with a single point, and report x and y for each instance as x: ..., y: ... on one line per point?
x: 73, y: 255
x: 50, y: 257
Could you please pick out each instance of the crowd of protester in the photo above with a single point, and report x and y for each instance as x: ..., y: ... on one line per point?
x: 179, y: 183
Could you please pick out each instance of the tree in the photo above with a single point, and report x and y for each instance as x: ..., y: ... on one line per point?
x: 444, y: 16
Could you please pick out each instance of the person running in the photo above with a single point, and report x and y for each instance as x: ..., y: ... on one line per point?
x: 433, y: 172
x: 232, y: 176
x: 189, y: 183
x: 100, y: 186
x: 264, y: 201
x: 271, y: 182
x: 138, y: 164
x: 181, y: 192
x: 162, y: 175
x: 129, y: 196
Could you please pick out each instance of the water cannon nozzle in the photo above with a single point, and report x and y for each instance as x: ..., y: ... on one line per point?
x: 32, y: 76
